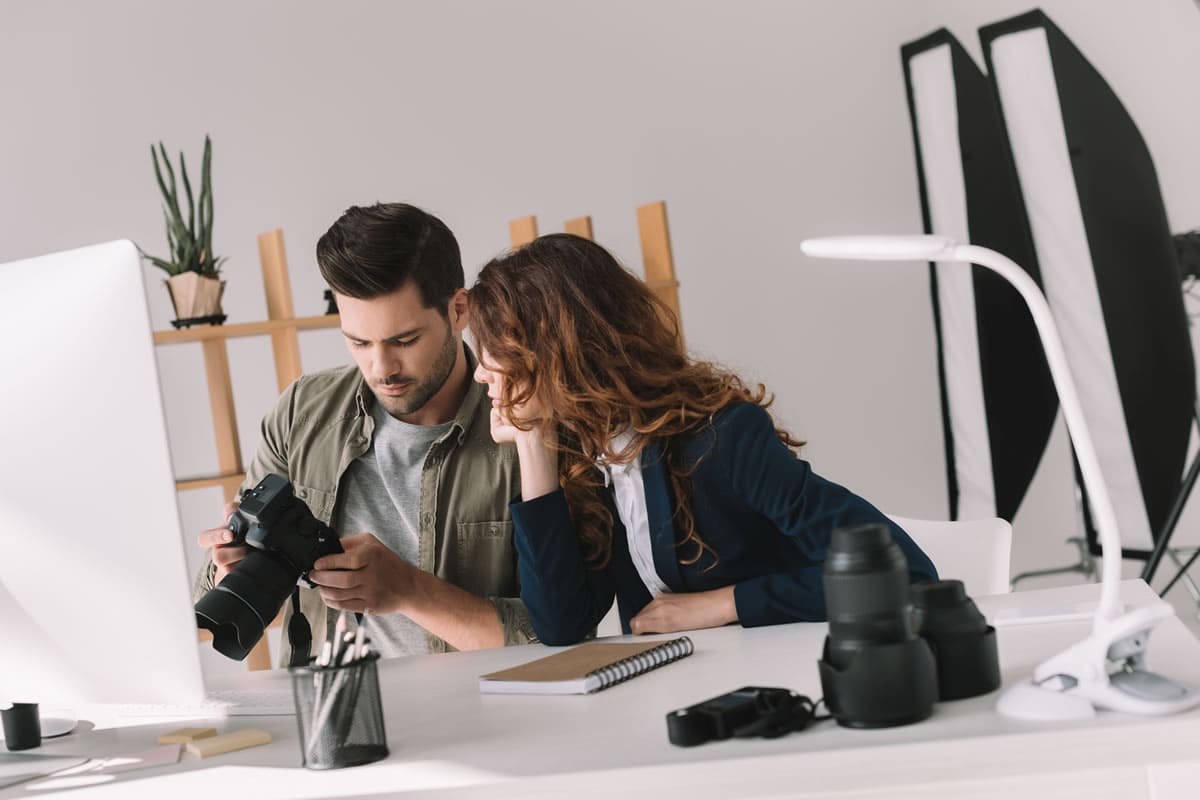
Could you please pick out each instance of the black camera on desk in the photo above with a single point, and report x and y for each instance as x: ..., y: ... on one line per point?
x: 285, y: 541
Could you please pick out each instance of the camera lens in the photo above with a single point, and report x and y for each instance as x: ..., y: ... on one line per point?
x: 866, y: 591
x: 942, y: 608
x: 245, y: 602
x: 963, y: 644
x: 288, y: 540
x: 875, y: 671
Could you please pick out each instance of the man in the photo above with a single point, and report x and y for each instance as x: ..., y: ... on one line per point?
x: 396, y: 452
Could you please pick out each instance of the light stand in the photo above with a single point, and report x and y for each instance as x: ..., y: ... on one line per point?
x: 1107, y: 669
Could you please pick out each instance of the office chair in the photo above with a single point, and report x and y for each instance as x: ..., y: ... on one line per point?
x: 998, y: 402
x: 983, y: 567
x: 1108, y: 269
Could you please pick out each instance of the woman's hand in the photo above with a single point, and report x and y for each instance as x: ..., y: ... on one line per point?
x: 503, y: 431
x: 537, y: 460
x: 669, y: 613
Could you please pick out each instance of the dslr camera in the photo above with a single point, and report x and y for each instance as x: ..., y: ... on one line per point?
x: 750, y: 711
x: 285, y: 539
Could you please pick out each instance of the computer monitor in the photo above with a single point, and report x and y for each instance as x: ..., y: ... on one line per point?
x: 95, y: 604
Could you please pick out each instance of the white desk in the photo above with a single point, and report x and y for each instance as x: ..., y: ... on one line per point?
x: 448, y: 740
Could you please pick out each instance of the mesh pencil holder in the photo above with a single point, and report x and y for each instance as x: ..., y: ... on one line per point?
x: 339, y: 714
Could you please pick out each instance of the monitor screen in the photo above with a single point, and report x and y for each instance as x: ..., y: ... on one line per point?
x: 95, y: 604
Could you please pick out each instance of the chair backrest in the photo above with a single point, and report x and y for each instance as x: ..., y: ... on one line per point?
x: 976, y: 552
x: 1109, y: 269
x: 998, y: 402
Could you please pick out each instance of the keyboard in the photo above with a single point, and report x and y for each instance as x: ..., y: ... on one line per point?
x: 220, y: 703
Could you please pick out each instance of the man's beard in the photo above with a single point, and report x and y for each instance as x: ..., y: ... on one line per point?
x: 419, y: 394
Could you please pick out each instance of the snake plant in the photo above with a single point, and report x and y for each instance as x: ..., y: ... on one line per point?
x: 189, y: 239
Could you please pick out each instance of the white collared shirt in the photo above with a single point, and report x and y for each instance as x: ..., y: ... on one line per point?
x: 630, y: 491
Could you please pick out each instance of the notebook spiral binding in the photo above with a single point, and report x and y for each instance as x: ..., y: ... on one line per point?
x: 627, y: 668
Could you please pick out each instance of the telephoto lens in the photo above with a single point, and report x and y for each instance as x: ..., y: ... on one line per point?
x: 964, y: 645
x: 875, y: 671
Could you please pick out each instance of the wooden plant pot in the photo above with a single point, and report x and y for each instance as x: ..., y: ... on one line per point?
x: 197, y: 299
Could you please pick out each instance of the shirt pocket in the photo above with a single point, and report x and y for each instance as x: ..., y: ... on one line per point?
x: 319, y: 502
x: 487, y: 559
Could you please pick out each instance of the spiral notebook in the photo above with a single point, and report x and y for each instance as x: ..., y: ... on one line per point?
x: 586, y: 668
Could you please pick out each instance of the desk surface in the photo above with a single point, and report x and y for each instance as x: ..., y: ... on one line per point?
x: 448, y: 740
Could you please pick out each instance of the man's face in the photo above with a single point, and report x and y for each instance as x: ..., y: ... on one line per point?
x: 404, y: 350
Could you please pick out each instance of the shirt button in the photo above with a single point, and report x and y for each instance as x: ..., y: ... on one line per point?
x: 302, y: 494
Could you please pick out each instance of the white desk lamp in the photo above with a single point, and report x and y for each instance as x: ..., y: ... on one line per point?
x: 1107, y: 669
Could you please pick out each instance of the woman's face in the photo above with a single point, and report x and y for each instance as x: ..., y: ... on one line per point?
x: 490, y: 376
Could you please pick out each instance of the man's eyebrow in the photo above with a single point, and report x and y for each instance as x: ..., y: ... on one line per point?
x: 402, y: 335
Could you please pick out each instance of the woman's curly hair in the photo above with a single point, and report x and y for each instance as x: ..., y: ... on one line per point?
x: 567, y: 325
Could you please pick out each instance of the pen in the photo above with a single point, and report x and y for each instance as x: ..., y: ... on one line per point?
x: 348, y: 649
x: 326, y: 654
x: 339, y: 629
x: 358, y: 641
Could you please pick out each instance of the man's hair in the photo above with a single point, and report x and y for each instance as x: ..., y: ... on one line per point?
x: 372, y: 251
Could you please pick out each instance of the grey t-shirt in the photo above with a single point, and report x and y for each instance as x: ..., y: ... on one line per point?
x: 382, y: 495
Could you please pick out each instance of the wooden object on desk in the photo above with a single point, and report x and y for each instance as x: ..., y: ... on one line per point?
x: 657, y: 257
x: 228, y: 742
x: 185, y: 735
x: 283, y: 327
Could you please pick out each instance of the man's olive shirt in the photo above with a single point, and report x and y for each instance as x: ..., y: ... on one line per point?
x: 322, y: 423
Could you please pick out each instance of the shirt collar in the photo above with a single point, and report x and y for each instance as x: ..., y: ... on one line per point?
x: 618, y: 443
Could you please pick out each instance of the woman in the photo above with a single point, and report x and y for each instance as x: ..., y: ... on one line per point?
x: 712, y: 518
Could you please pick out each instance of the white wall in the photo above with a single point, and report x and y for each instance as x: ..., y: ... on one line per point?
x: 758, y: 122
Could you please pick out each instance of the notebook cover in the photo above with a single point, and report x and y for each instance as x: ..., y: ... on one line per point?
x: 574, y: 664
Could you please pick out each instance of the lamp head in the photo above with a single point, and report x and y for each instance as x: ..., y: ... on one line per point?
x: 881, y: 248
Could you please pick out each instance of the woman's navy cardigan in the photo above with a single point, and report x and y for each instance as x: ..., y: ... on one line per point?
x: 764, y: 511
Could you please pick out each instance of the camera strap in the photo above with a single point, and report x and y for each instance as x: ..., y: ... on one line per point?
x: 782, y: 712
x: 299, y: 634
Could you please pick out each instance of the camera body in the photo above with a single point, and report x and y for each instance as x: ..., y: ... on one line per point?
x: 749, y: 711
x: 285, y: 540
x: 271, y: 518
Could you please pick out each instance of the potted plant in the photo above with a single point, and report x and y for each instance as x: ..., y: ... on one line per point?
x: 194, y: 284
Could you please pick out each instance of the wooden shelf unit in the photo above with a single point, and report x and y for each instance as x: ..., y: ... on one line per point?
x: 282, y: 326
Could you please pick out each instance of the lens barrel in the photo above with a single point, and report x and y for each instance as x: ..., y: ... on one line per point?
x: 875, y: 671
x: 963, y: 644
x: 244, y: 603
x: 866, y: 592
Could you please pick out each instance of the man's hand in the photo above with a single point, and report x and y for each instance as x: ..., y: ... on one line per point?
x: 669, y: 613
x: 224, y: 555
x: 368, y: 577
